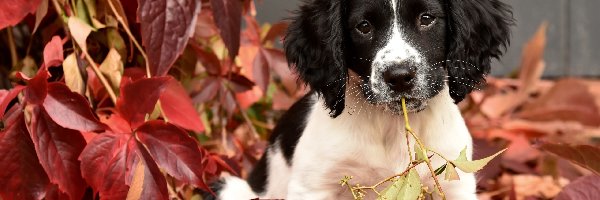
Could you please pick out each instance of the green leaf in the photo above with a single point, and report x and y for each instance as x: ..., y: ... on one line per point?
x: 393, y: 190
x: 419, y: 153
x: 451, y: 174
x: 472, y: 166
x: 405, y: 188
x: 440, y: 170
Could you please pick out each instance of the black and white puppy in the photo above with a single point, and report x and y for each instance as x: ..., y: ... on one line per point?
x: 360, y: 57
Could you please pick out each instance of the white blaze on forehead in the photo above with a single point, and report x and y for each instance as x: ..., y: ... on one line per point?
x: 395, y: 50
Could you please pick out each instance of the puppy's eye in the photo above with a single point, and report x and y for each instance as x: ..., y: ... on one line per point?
x: 364, y: 27
x: 426, y: 20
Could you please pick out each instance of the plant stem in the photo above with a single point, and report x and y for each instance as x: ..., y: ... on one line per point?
x: 439, y: 154
x: 103, y: 80
x: 131, y: 37
x: 388, y: 179
x: 13, y: 48
x: 431, y: 170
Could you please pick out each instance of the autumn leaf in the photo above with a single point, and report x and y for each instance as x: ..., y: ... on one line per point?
x: 22, y: 176
x: 178, y: 107
x: 154, y: 184
x: 70, y: 110
x: 37, y: 87
x: 472, y: 166
x: 584, y: 188
x: 57, y: 149
x: 53, y: 52
x: 7, y: 96
x: 112, y: 68
x: 582, y: 155
x: 174, y: 151
x: 79, y: 31
x: 72, y: 73
x: 228, y: 15
x: 405, y: 188
x: 107, y: 164
x: 14, y: 11
x: 261, y: 72
x: 138, y: 98
x: 451, y: 173
x: 166, y: 27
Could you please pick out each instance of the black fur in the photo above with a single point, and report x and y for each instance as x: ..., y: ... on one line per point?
x: 479, y: 30
x: 286, y: 134
x: 314, y: 46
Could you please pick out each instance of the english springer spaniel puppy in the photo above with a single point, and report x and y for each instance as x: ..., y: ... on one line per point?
x: 360, y: 58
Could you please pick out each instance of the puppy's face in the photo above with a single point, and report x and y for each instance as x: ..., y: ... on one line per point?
x: 398, y: 50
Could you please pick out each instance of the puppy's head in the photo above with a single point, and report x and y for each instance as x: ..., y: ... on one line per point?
x: 398, y: 48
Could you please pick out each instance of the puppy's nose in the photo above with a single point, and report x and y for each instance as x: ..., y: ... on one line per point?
x: 399, y: 78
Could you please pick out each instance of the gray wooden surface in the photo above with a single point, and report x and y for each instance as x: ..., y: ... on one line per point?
x: 573, y: 47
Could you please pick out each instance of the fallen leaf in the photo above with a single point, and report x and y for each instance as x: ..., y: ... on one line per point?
x: 584, y: 188
x: 582, y: 155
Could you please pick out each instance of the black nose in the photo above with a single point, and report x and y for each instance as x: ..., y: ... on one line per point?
x: 399, y: 78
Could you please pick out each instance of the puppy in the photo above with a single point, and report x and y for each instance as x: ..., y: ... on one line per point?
x: 360, y: 58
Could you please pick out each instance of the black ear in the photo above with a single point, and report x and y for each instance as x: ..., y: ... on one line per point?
x: 479, y: 30
x: 314, y: 48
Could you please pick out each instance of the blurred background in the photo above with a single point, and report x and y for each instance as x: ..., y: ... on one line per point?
x: 571, y: 49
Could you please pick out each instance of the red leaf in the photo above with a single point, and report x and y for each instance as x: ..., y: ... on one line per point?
x: 7, y: 96
x: 58, y: 148
x: 139, y: 98
x: 261, y: 71
x: 583, y: 155
x: 209, y: 89
x: 178, y: 108
x: 70, y: 110
x: 584, y: 188
x: 106, y: 164
x: 22, y: 176
x: 277, y: 30
x: 37, y: 87
x: 228, y: 15
x: 155, y: 184
x: 278, y: 63
x: 568, y: 100
x: 166, y: 28
x: 174, y: 151
x: 209, y: 60
x: 53, y: 52
x: 116, y: 123
x: 14, y: 11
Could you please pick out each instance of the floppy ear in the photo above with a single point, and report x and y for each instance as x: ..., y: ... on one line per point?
x: 314, y: 48
x: 479, y: 30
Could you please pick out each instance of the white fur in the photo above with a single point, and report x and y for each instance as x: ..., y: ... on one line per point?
x: 370, y: 146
